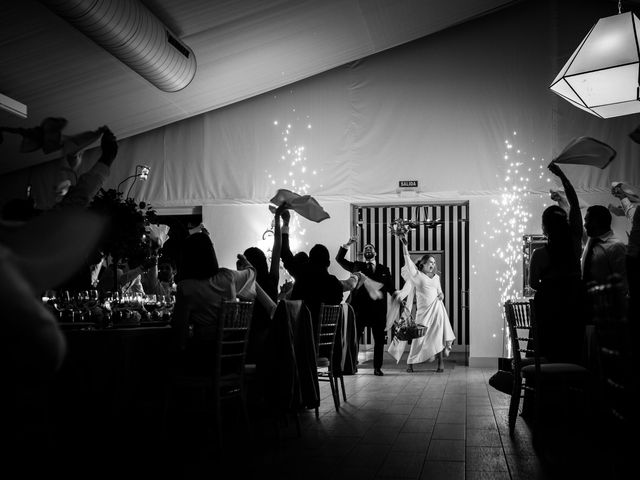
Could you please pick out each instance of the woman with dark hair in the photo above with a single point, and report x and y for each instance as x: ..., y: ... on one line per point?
x: 267, y: 277
x: 555, y: 276
x: 202, y: 287
x: 423, y: 282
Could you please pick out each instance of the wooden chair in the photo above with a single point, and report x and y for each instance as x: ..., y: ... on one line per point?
x: 327, y: 328
x: 225, y: 380
x: 532, y: 368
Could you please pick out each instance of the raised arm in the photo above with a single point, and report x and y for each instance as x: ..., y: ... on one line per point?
x: 575, y: 216
x: 411, y: 267
x: 89, y: 183
x: 348, y: 265
x: 274, y: 268
x: 285, y: 252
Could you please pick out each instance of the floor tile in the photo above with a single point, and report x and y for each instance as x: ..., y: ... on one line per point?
x: 411, y: 442
x: 446, y: 450
x: 482, y: 422
x: 482, y: 437
x: 451, y: 417
x: 402, y: 465
x: 381, y: 435
x: 449, y: 431
x: 472, y: 475
x: 437, y: 470
x: 486, y: 459
x: 366, y: 456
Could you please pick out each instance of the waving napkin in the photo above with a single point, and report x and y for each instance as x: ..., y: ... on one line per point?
x: 304, y: 205
x: 159, y: 233
x: 586, y: 151
x: 373, y: 288
x: 630, y: 193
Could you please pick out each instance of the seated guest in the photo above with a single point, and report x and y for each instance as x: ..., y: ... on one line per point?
x: 202, y: 287
x: 129, y: 272
x: 315, y: 285
x: 267, y: 277
x: 166, y: 277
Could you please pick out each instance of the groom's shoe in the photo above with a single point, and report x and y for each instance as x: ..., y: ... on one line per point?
x: 377, y: 372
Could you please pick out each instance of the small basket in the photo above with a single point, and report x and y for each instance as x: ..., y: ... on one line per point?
x: 409, y: 332
x: 407, y: 328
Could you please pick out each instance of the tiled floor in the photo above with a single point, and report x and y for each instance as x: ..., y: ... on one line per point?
x: 424, y: 425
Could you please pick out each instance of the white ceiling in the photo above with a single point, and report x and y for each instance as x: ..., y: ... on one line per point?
x: 242, y: 47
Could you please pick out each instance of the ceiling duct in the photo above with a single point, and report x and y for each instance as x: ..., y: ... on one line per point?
x: 135, y: 36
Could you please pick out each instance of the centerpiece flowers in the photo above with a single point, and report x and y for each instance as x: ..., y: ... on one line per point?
x: 127, y: 237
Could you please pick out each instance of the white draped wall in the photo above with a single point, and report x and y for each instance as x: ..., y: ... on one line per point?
x: 438, y: 110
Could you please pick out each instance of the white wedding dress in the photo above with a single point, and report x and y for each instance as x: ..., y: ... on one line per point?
x: 430, y: 312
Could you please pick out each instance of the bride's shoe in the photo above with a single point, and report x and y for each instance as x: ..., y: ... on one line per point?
x: 410, y: 368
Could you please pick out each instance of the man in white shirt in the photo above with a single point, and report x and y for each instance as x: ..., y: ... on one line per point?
x: 603, y: 254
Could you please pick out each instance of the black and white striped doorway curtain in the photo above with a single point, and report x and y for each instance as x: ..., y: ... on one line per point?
x: 448, y: 240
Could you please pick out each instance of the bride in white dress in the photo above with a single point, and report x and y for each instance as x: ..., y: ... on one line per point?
x: 430, y: 311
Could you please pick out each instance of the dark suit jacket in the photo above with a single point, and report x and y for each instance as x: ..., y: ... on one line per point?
x: 369, y: 312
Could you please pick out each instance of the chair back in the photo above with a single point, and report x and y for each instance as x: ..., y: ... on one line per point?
x: 614, y: 340
x: 235, y: 322
x: 330, y: 316
x: 518, y: 314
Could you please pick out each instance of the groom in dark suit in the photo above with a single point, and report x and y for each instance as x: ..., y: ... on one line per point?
x: 369, y: 312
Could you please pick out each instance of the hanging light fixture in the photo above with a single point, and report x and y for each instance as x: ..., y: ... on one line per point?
x: 601, y: 77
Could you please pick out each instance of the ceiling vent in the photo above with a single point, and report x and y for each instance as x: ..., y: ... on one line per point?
x: 135, y: 36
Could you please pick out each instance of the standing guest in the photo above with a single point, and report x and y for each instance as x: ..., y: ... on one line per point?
x: 604, y: 254
x: 555, y: 276
x: 629, y: 202
x: 424, y: 282
x: 369, y: 312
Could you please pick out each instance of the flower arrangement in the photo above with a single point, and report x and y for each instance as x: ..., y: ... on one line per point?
x: 126, y: 235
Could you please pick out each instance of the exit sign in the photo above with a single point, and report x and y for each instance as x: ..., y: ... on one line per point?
x: 408, y: 184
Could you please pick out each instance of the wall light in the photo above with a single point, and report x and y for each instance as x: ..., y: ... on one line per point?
x: 601, y: 77
x: 142, y: 173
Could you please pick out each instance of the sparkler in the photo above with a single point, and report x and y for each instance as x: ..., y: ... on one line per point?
x: 504, y: 233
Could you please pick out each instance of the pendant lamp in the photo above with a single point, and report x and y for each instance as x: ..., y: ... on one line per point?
x: 601, y: 77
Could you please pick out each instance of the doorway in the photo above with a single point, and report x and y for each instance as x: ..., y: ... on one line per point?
x: 448, y: 239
